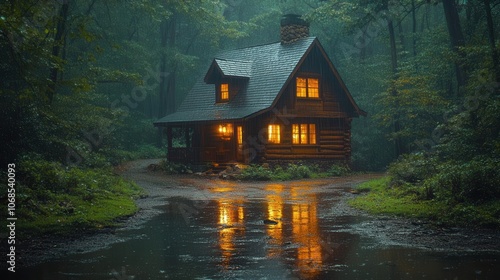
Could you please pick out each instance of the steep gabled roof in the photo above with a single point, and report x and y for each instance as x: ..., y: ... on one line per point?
x: 229, y: 68
x: 269, y: 69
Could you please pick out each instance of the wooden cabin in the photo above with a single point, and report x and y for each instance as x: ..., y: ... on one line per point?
x: 279, y: 101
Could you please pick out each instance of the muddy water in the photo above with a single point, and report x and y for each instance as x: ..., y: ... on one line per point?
x: 275, y: 231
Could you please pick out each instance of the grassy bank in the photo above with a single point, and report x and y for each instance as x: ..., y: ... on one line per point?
x: 51, y: 198
x: 381, y: 198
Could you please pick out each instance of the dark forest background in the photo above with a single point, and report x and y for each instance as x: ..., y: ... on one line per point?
x: 83, y: 81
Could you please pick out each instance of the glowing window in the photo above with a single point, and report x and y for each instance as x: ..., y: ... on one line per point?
x: 239, y: 132
x: 301, y: 87
x: 304, y: 133
x: 274, y: 136
x: 224, y: 92
x: 308, y: 87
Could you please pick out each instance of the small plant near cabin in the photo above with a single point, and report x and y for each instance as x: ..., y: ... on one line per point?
x: 174, y: 168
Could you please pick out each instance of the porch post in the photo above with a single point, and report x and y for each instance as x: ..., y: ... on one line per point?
x: 186, y: 136
x: 169, y: 137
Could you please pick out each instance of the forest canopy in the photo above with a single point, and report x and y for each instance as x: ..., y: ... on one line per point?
x: 83, y: 81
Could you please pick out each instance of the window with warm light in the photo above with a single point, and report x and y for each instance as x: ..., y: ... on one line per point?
x: 239, y: 132
x: 307, y: 87
x: 225, y: 130
x: 224, y: 92
x: 273, y: 134
x: 304, y: 134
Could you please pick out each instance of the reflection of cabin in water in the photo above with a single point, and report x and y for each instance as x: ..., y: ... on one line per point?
x: 278, y: 101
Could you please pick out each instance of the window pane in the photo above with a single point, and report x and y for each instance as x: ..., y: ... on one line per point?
x: 295, y: 134
x: 224, y: 91
x: 301, y: 87
x: 313, y: 87
x: 240, y: 135
x: 303, y: 134
x: 312, y: 134
x: 273, y: 131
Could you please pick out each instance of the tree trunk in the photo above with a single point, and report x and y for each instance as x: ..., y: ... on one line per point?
x: 414, y: 27
x: 398, y: 146
x: 167, y: 85
x: 491, y: 37
x: 56, y: 48
x: 457, y: 40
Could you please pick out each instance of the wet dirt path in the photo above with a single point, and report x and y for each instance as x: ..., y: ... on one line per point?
x: 190, y: 227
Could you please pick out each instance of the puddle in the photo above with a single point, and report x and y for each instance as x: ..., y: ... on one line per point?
x: 284, y: 232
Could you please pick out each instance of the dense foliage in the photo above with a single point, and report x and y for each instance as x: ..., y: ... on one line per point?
x: 291, y: 172
x: 82, y: 82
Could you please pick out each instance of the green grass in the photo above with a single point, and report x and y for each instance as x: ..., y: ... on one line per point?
x: 402, y: 201
x: 63, y: 213
x: 51, y: 198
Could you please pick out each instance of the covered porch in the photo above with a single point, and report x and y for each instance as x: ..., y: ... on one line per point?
x: 219, y: 142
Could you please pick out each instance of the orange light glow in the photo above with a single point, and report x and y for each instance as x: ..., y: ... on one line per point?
x: 225, y: 130
x: 274, y: 135
x: 306, y: 232
x: 239, y: 131
x: 224, y: 92
x: 231, y: 217
x: 307, y: 87
x: 275, y: 213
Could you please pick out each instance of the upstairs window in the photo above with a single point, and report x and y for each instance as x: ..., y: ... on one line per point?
x: 304, y: 134
x: 307, y: 87
x: 224, y: 92
x: 273, y: 134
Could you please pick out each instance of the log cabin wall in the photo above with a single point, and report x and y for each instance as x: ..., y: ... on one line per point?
x: 330, y: 113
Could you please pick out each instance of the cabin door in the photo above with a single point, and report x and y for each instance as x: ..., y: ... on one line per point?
x: 239, y: 144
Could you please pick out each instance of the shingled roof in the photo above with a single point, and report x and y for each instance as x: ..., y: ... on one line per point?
x: 232, y: 68
x: 269, y: 69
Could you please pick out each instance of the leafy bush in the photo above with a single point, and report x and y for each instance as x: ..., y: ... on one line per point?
x: 149, y: 151
x: 174, y: 168
x: 299, y: 171
x: 338, y: 170
x: 472, y: 182
x: 256, y: 172
x: 292, y: 171
x: 412, y: 168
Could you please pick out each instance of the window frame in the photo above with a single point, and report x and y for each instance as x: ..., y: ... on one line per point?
x: 307, y: 78
x: 220, y: 93
x: 239, y: 135
x: 274, y: 140
x: 298, y: 134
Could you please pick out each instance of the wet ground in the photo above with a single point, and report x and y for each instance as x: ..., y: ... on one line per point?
x: 198, y: 228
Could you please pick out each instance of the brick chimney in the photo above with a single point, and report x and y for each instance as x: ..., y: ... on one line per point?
x: 293, y: 28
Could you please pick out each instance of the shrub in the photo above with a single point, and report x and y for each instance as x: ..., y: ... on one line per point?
x: 256, y: 172
x: 475, y: 181
x: 338, y: 170
x: 412, y: 168
x: 174, y: 168
x: 299, y: 171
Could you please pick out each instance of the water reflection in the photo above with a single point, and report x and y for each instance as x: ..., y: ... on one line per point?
x: 295, y: 210
x: 275, y: 213
x: 305, y: 231
x: 231, y: 217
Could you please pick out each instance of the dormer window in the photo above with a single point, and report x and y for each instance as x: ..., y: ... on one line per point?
x: 224, y: 92
x: 307, y: 87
